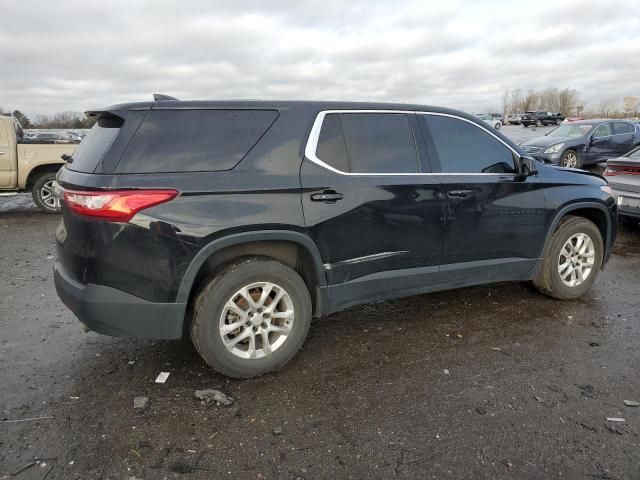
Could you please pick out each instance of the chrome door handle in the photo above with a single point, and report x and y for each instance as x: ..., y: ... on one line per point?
x: 328, y: 196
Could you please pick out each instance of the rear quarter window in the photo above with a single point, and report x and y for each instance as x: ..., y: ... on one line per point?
x: 194, y: 140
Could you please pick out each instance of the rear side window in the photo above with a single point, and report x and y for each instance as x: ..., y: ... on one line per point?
x: 380, y: 143
x: 463, y: 147
x: 368, y: 143
x: 97, y: 142
x: 622, y: 127
x: 194, y: 140
x: 331, y: 147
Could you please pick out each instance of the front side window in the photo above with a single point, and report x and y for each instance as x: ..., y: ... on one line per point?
x: 463, y: 147
x: 368, y: 143
x: 602, y: 130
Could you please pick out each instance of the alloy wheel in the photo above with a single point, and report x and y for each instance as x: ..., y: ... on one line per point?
x: 576, y: 259
x: 570, y: 160
x: 256, y: 320
x: 48, y: 196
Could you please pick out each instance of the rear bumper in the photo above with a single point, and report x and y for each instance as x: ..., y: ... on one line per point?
x: 113, y: 312
x: 623, y: 198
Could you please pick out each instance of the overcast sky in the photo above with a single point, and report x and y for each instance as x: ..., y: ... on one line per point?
x: 73, y: 55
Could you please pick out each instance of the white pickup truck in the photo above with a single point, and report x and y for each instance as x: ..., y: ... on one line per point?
x: 27, y: 166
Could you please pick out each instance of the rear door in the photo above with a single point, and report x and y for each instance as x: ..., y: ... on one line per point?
x: 370, y: 203
x: 623, y: 137
x: 494, y: 217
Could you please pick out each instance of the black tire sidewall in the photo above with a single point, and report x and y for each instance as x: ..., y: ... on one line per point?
x: 36, y: 194
x: 210, y: 302
x: 567, y: 230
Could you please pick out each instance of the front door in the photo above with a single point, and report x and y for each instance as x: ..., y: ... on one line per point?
x: 368, y: 204
x: 601, y: 145
x: 494, y: 217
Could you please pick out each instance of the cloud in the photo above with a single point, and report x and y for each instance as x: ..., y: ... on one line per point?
x: 75, y: 55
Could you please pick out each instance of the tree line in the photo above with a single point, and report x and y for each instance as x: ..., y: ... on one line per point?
x: 568, y: 102
x: 67, y: 120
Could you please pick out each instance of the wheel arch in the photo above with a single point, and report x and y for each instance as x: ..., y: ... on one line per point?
x: 292, y: 248
x: 593, y: 211
x: 38, y: 170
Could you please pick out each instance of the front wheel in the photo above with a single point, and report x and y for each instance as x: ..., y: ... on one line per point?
x: 558, y: 121
x: 43, y: 193
x: 572, y: 260
x: 570, y: 159
x: 538, y: 123
x: 251, y: 318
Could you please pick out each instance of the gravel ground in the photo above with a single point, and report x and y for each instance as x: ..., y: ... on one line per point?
x: 488, y: 382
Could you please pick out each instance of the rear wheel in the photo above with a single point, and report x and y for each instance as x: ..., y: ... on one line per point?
x: 572, y: 260
x: 558, y: 121
x: 251, y: 318
x: 538, y: 123
x: 570, y: 159
x: 43, y: 194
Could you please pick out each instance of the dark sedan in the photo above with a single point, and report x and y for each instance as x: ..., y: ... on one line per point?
x: 585, y: 142
x: 623, y: 174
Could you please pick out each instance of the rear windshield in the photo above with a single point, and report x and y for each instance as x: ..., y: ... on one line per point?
x: 93, y: 147
x: 194, y: 140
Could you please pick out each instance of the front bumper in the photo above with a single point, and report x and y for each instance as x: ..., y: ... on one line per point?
x: 113, y: 312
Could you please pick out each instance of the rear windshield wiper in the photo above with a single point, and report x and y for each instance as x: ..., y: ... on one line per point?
x: 67, y: 158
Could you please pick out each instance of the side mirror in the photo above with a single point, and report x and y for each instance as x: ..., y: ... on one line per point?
x: 528, y: 166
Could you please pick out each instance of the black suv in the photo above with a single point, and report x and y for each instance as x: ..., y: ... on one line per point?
x: 236, y: 222
x: 541, y: 118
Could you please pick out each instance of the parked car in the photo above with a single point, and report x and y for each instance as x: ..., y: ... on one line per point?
x: 498, y: 116
x: 584, y: 142
x: 513, y: 119
x: 489, y: 120
x: 541, y: 118
x: 30, y: 165
x: 235, y: 222
x: 623, y: 174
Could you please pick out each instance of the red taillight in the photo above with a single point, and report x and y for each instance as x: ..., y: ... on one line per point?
x: 621, y: 170
x: 115, y: 205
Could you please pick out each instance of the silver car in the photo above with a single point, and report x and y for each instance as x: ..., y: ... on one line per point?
x: 623, y: 174
x: 489, y: 120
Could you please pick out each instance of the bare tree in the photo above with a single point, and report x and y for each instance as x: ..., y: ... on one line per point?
x: 568, y: 100
x: 530, y: 100
x: 505, y: 103
x: 516, y: 101
x: 630, y: 105
x: 607, y: 108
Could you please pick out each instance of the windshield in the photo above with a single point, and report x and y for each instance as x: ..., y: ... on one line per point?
x: 571, y: 130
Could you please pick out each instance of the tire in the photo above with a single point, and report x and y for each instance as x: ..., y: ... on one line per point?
x: 558, y: 121
x: 42, y: 193
x: 211, y: 312
x: 525, y: 125
x: 497, y: 126
x: 570, y: 159
x: 548, y: 279
x: 538, y: 123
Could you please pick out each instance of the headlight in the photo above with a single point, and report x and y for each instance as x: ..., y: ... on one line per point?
x: 555, y: 148
x: 607, y: 189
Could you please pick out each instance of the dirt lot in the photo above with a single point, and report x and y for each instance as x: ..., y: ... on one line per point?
x: 488, y: 382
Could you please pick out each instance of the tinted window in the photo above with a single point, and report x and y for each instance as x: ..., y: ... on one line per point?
x: 379, y: 143
x: 602, y: 130
x: 331, y: 147
x: 463, y: 147
x: 194, y: 140
x: 622, y: 127
x: 95, y: 144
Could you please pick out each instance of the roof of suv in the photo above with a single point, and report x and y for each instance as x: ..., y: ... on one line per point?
x: 269, y: 104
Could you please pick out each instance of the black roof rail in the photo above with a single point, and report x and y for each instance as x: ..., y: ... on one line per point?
x: 160, y: 96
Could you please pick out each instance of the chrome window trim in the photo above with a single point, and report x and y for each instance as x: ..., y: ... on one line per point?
x: 314, y: 135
